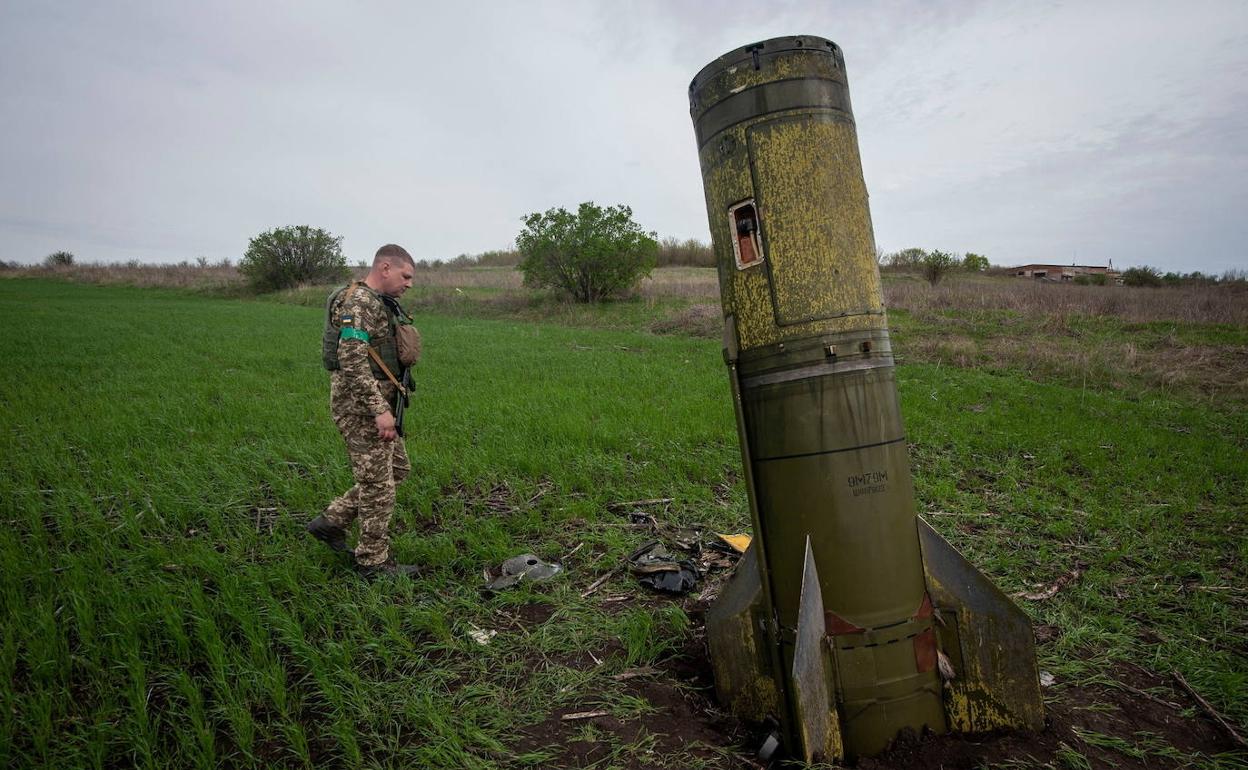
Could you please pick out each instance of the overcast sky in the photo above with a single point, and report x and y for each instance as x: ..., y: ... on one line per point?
x: 1025, y: 131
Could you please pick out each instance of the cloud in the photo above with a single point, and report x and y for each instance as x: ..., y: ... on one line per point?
x: 1020, y: 130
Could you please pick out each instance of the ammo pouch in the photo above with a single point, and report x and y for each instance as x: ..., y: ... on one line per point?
x: 407, y: 340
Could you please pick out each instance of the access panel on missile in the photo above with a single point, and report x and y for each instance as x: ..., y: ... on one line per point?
x: 850, y: 621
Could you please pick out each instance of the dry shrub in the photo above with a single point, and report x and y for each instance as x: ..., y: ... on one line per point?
x: 956, y: 350
x: 690, y: 252
x: 183, y: 275
x: 1192, y: 304
x: 1215, y: 372
x: 683, y: 282
x: 469, y: 277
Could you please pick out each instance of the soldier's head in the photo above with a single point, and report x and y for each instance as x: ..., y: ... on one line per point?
x: 392, y: 270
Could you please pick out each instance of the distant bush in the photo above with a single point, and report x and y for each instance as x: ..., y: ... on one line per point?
x: 936, y: 265
x: 499, y: 258
x: 974, y: 263
x: 285, y: 257
x: 591, y: 255
x: 1092, y: 279
x: 463, y: 260
x: 1194, y: 278
x: 906, y: 260
x: 1142, y: 276
x: 687, y: 253
x: 59, y: 259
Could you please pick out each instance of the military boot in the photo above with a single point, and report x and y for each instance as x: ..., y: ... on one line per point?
x: 388, y: 568
x: 328, y: 533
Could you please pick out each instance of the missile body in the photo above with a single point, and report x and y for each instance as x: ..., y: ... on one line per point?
x: 846, y: 600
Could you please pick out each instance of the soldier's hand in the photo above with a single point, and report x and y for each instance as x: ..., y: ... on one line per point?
x: 385, y: 426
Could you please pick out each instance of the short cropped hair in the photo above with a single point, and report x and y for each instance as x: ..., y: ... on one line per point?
x: 393, y: 252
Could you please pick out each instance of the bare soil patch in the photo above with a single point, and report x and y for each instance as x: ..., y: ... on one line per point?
x: 1109, y: 726
x: 685, y: 720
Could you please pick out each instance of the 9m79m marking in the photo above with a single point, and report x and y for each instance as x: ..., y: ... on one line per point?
x: 868, y: 482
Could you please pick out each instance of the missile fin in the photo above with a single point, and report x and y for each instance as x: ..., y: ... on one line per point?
x: 818, y: 724
x: 987, y: 650
x: 738, y: 645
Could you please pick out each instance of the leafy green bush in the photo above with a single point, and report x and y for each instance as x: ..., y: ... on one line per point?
x: 59, y: 259
x: 936, y: 265
x: 1142, y: 276
x: 285, y: 257
x: 591, y: 255
x: 974, y: 263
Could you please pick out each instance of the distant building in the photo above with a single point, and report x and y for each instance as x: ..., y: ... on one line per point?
x: 1063, y: 272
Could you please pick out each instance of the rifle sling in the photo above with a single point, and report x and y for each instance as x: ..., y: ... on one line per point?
x: 390, y: 376
x: 373, y: 351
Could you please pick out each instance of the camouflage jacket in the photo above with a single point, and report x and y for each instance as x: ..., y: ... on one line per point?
x: 353, y: 388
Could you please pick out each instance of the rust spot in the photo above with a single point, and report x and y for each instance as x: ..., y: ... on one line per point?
x: 835, y: 625
x: 925, y: 651
x: 925, y: 608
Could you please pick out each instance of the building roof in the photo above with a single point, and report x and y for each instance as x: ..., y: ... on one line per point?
x: 1060, y: 267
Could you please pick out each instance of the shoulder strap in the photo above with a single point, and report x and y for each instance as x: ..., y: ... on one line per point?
x: 372, y: 351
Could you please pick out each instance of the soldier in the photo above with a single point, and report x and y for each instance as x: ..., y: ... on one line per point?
x: 360, y: 350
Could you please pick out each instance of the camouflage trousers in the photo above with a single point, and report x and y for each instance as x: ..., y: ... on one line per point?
x: 378, y: 466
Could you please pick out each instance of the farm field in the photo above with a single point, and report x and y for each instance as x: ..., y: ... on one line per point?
x: 163, y: 607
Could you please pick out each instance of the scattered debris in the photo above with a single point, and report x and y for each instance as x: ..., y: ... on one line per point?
x: 659, y: 570
x: 1047, y: 679
x: 688, y: 539
x: 662, y: 571
x: 526, y: 566
x: 1211, y: 711
x: 1049, y: 591
x: 769, y: 747
x: 642, y: 519
x: 710, y: 561
x: 583, y: 715
x: 480, y: 635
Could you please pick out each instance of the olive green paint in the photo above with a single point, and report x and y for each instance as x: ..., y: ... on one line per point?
x: 827, y: 468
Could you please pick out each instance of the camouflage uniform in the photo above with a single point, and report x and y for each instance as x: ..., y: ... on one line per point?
x: 356, y: 397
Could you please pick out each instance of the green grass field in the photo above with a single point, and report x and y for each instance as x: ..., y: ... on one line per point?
x: 163, y: 607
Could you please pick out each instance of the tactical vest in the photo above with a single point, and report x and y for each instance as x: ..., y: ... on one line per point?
x: 384, y: 344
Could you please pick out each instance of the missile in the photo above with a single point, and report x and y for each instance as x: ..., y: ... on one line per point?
x: 849, y: 621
